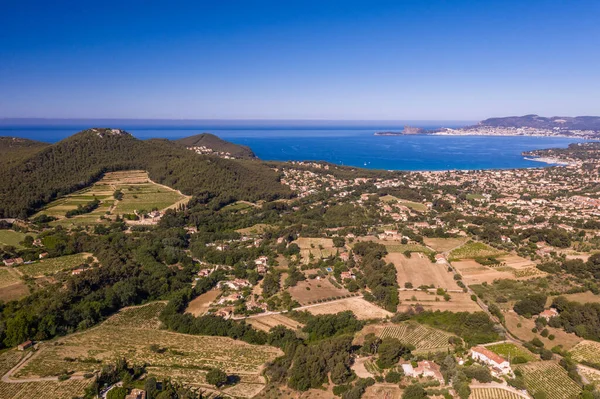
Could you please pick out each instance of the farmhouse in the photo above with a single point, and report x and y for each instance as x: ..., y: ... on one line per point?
x: 439, y: 258
x: 13, y: 262
x: 136, y: 394
x: 498, y: 363
x: 236, y: 284
x: 25, y: 345
x: 346, y: 275
x: 425, y: 368
x: 549, y: 313
x: 225, y: 312
x: 77, y: 271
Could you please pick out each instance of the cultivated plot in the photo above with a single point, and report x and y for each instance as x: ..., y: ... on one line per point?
x: 418, y: 270
x: 459, y: 301
x: 363, y: 309
x: 550, y: 378
x: 311, y: 291
x: 267, y: 322
x: 134, y: 334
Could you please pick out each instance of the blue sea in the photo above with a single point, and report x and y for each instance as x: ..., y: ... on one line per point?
x: 351, y: 147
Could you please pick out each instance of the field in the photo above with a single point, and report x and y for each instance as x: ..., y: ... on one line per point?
x: 313, y: 246
x: 474, y: 273
x: 53, y: 265
x: 256, y: 229
x: 11, y: 285
x: 550, y: 378
x: 265, y: 323
x: 361, y: 308
x: 590, y: 374
x: 588, y: 351
x: 509, y: 351
x: 416, y: 206
x: 8, y: 277
x: 139, y: 193
x: 425, y: 339
x: 419, y: 270
x: 494, y: 393
x: 317, y: 290
x: 524, y: 332
x: 42, y: 389
x: 12, y: 238
x: 199, y: 305
x: 472, y: 250
x: 581, y: 297
x: 459, y: 301
x: 132, y: 333
x: 444, y: 244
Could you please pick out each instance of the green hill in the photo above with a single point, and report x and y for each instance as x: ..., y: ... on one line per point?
x: 217, y: 144
x: 76, y: 162
x: 14, y: 149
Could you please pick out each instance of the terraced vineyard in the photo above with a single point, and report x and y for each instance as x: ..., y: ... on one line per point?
x: 550, y: 378
x: 586, y: 351
x: 135, y: 334
x: 424, y: 339
x: 494, y: 393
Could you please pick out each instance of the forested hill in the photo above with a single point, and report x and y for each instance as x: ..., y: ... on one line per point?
x: 14, y: 149
x: 81, y: 159
x: 217, y: 144
x: 540, y: 122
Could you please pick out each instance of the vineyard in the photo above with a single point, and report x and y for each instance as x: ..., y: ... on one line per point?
x: 550, y: 378
x: 510, y: 351
x: 42, y: 389
x: 53, y: 265
x: 472, y: 250
x: 424, y: 339
x: 135, y: 334
x: 494, y: 393
x: 586, y: 351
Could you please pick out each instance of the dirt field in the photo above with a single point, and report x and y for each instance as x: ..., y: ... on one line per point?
x: 524, y: 332
x: 444, y: 244
x: 581, y: 297
x: 13, y: 292
x: 383, y: 391
x: 474, y: 273
x: 362, y: 309
x: 265, y: 323
x: 419, y: 270
x: 318, y: 290
x: 199, y: 305
x: 459, y: 301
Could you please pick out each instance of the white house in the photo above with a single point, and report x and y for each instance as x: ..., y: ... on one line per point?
x: 497, y: 362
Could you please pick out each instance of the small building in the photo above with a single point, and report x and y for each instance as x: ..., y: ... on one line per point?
x: 498, y: 363
x: 549, y: 313
x: 43, y: 255
x: 225, y: 313
x: 77, y: 271
x: 136, y: 394
x: 13, y: 262
x: 441, y: 259
x: 25, y: 345
x: 347, y: 275
x: 425, y: 368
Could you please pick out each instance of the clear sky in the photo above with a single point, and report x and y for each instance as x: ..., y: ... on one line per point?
x: 299, y: 59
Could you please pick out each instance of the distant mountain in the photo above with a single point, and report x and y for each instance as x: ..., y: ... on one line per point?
x: 540, y: 122
x: 217, y: 144
x: 50, y: 171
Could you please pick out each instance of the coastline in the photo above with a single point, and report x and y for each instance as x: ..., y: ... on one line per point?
x: 548, y: 160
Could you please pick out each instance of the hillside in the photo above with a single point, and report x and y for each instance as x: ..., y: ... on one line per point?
x: 81, y: 159
x: 14, y: 149
x: 217, y: 144
x: 540, y: 122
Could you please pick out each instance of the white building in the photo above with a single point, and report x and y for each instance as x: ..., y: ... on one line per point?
x: 498, y: 363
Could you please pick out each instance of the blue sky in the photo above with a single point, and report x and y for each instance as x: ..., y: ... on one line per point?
x: 328, y: 59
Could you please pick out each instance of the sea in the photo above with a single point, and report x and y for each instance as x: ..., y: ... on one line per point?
x: 357, y: 147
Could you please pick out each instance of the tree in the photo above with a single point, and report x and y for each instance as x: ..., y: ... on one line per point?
x: 390, y: 350
x: 415, y: 391
x: 216, y: 377
x: 117, y: 393
x: 339, y: 242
